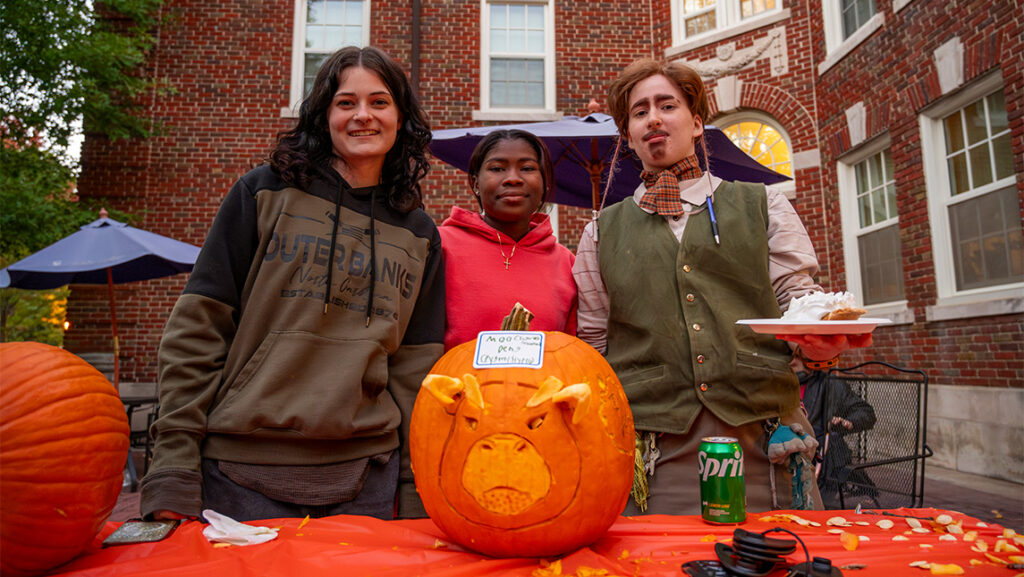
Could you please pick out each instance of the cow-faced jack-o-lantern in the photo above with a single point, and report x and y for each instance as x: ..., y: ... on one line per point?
x: 532, y: 462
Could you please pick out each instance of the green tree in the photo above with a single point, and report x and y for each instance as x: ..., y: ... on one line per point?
x: 64, y: 65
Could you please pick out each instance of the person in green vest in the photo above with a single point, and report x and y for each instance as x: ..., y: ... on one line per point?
x: 663, y: 277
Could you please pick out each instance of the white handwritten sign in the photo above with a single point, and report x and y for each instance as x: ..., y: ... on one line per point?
x: 495, y: 349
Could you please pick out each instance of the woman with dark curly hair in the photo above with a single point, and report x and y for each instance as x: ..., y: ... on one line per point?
x: 290, y: 364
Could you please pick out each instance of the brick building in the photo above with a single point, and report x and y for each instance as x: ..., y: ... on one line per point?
x: 901, y: 121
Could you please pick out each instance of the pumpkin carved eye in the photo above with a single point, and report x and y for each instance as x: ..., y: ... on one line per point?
x: 471, y: 423
x: 536, y: 422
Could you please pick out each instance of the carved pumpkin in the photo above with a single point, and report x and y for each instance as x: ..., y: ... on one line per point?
x: 523, y: 461
x: 63, y: 445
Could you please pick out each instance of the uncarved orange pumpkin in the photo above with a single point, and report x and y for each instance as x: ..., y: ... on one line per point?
x: 63, y: 445
x: 523, y: 462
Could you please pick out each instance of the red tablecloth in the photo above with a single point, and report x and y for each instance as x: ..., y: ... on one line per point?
x: 634, y: 546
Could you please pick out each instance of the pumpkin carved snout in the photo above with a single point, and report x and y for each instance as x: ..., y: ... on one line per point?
x: 505, y: 474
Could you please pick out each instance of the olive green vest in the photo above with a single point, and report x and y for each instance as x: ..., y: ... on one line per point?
x: 672, y: 334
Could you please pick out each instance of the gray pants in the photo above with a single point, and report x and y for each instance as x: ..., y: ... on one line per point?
x: 376, y: 499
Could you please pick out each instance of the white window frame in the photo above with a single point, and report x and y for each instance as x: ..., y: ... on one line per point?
x: 846, y: 179
x: 486, y: 111
x: 299, y: 54
x: 788, y: 187
x: 952, y: 303
x: 728, y: 15
x: 837, y: 47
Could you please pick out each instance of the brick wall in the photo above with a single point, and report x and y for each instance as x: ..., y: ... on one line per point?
x: 893, y: 73
x: 229, y: 63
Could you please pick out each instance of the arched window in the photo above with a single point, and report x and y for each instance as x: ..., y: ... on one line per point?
x: 762, y: 139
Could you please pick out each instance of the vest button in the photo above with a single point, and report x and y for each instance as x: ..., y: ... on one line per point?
x: 700, y: 359
x: 689, y: 298
x: 704, y: 387
x: 696, y: 326
x: 686, y: 268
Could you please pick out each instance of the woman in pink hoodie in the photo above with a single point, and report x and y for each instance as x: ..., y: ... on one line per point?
x: 506, y: 253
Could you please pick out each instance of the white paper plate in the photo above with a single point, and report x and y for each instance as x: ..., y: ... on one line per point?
x: 787, y: 327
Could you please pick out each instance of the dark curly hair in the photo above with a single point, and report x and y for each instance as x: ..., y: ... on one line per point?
x: 306, y: 151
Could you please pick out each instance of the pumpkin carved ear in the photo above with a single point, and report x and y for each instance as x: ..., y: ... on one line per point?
x: 472, y: 390
x: 546, y: 391
x: 443, y: 387
x: 576, y: 396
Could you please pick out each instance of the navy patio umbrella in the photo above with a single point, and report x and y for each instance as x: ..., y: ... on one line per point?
x: 104, y: 251
x: 582, y: 148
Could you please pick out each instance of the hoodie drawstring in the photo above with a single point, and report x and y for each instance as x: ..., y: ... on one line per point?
x: 334, y: 243
x: 373, y: 254
x: 373, y: 258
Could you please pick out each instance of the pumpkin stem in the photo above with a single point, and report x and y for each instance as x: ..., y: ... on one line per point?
x: 517, y: 320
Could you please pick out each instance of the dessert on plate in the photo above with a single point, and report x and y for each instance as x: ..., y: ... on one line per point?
x: 821, y: 306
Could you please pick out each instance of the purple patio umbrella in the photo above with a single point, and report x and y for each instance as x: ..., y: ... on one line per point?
x: 104, y: 251
x: 582, y: 148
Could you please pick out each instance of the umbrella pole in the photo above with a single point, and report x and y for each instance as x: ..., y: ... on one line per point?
x: 595, y: 175
x: 113, y: 328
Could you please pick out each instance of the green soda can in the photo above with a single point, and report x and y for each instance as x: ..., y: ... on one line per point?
x: 723, y: 493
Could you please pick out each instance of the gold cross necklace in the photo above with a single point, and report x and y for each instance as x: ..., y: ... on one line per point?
x: 501, y: 249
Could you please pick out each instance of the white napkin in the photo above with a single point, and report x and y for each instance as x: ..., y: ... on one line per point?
x: 224, y: 529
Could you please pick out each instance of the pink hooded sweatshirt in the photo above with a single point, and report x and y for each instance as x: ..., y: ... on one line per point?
x: 481, y: 292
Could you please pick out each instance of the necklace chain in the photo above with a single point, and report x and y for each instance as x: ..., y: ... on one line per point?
x: 502, y: 250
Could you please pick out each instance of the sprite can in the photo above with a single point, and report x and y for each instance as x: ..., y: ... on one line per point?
x: 723, y: 494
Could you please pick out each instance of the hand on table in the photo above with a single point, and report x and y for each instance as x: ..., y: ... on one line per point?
x: 825, y: 347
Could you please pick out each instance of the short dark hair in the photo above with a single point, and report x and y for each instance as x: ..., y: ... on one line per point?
x: 689, y: 82
x: 306, y: 150
x: 483, y: 148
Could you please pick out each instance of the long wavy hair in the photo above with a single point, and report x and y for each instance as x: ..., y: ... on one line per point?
x: 306, y: 151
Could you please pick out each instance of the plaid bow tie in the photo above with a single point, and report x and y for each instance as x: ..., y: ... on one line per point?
x: 662, y: 194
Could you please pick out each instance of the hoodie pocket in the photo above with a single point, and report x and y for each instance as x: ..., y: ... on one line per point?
x: 309, y: 386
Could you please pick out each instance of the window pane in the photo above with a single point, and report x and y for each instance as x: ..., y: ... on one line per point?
x: 499, y: 15
x: 499, y: 40
x: 315, y: 38
x: 890, y: 194
x: 354, y: 13
x: 535, y: 41
x: 974, y: 120
x: 1003, y: 156
x: 958, y: 174
x: 535, y: 17
x: 335, y: 12
x: 353, y: 36
x: 878, y: 204
x: 516, y: 40
x: 861, y: 171
x: 701, y: 23
x: 314, y: 11
x: 517, y: 94
x: 875, y: 171
x: 691, y: 6
x: 784, y: 168
x: 881, y: 264
x: 334, y: 37
x: 997, y: 112
x: 535, y: 71
x: 499, y: 70
x: 954, y: 133
x: 981, y: 166
x: 988, y: 243
x: 864, y: 204
x: 517, y: 16
x: 516, y: 70
x: 535, y: 95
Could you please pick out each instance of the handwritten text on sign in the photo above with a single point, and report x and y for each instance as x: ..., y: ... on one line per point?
x: 509, y: 349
